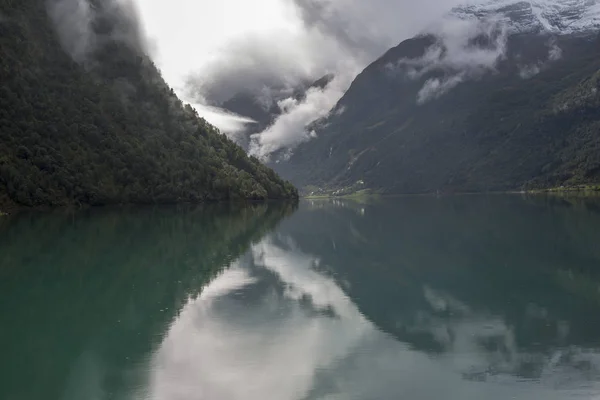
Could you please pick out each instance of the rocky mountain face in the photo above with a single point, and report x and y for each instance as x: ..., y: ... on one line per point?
x: 500, y: 96
x: 549, y: 16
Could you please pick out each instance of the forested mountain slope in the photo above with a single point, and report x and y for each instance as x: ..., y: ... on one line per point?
x: 508, y: 104
x: 93, y: 122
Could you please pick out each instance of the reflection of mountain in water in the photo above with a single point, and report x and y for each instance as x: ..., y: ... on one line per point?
x: 513, y: 281
x: 456, y: 298
x: 276, y: 325
x: 86, y: 298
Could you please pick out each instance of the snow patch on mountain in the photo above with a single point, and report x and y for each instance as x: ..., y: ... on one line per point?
x: 542, y: 16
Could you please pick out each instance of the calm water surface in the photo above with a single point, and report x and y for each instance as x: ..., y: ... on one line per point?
x: 417, y: 298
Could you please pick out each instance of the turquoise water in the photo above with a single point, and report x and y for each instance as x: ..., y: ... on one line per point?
x: 409, y: 298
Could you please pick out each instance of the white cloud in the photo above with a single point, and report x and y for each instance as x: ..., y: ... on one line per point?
x: 210, y: 51
x: 455, y: 55
x: 290, y: 129
x: 72, y: 18
x: 436, y: 87
x: 270, y: 46
x: 555, y: 52
x: 74, y: 23
x: 529, y: 71
x: 226, y: 121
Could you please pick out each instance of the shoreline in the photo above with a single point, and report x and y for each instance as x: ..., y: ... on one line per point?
x: 584, y: 190
x: 7, y: 210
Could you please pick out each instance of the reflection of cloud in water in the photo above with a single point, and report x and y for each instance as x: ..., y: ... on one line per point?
x: 484, y: 347
x: 228, y: 281
x: 224, y: 346
x: 209, y: 355
x: 301, y: 280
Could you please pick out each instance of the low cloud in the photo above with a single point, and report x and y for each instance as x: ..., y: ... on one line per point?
x: 436, y: 87
x: 83, y: 26
x: 464, y: 49
x: 470, y: 46
x: 229, y: 122
x: 290, y: 129
x: 328, y: 35
x: 261, y: 67
x: 339, y: 37
x: 554, y: 54
x: 73, y: 20
x: 529, y: 71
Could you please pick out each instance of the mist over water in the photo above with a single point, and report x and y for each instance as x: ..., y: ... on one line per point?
x: 454, y: 298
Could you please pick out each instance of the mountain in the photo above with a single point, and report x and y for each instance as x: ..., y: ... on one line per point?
x: 266, y: 111
x: 86, y: 118
x: 549, y: 16
x: 501, y: 96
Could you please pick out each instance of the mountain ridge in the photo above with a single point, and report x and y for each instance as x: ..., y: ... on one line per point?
x: 94, y: 123
x: 473, y: 110
x: 548, y: 16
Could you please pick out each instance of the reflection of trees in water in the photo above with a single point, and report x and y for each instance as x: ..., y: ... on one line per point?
x: 269, y: 325
x: 87, y: 293
x: 512, y: 281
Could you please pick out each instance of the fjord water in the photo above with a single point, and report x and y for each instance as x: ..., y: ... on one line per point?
x: 474, y: 297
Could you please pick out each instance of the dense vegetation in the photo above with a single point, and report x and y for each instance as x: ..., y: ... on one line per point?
x: 497, y: 131
x: 107, y: 129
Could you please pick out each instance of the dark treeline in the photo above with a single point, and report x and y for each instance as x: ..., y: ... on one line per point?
x: 103, y: 127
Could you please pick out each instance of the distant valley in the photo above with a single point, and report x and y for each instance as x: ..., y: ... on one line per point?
x: 500, y: 96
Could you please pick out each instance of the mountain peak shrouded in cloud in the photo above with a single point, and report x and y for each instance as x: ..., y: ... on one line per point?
x: 482, y: 101
x: 473, y: 39
x: 266, y: 52
x: 547, y: 16
x: 273, y: 48
x: 85, y: 26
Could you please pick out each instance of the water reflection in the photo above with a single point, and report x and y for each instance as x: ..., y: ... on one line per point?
x: 329, y: 308
x: 267, y: 328
x: 279, y: 324
x: 451, y: 298
x: 86, y: 298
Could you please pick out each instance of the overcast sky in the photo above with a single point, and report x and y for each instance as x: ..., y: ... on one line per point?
x: 193, y: 35
x: 211, y: 50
